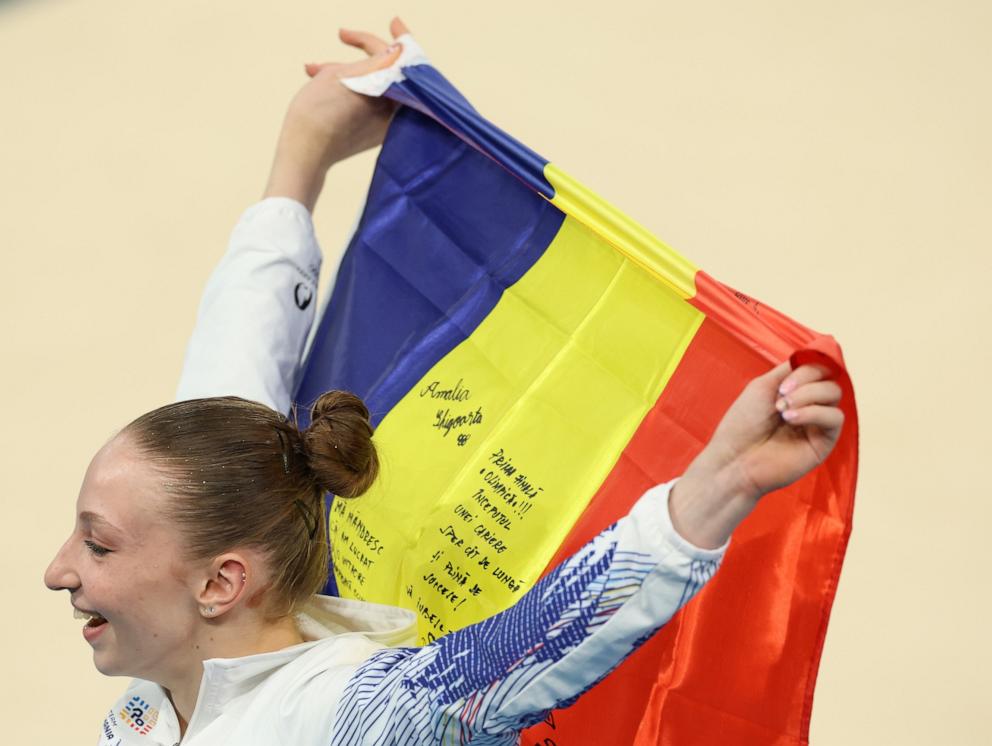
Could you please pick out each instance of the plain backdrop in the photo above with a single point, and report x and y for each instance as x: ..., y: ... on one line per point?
x: 831, y: 159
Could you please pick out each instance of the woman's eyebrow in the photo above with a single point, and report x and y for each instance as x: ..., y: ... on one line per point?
x: 98, y: 521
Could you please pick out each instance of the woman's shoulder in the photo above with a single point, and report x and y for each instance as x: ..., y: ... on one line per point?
x: 305, y: 693
x: 342, y: 634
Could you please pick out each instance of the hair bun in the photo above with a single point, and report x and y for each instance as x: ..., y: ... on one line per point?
x: 338, y: 444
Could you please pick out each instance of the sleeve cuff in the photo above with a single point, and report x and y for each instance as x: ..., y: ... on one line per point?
x: 655, y: 523
x: 285, y: 205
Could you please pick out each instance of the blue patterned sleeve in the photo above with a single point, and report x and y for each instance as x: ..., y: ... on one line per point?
x: 485, y: 683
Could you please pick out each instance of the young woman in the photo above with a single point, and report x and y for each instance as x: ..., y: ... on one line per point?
x: 200, y: 543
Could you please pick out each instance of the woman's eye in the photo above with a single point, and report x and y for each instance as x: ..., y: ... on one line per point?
x: 96, y: 548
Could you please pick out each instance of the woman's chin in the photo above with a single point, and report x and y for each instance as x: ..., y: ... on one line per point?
x: 106, y: 665
x: 106, y: 660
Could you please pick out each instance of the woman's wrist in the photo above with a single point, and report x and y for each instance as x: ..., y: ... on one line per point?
x: 291, y: 178
x: 706, y: 505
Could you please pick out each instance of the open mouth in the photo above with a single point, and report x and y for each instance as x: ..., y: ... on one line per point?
x: 94, y: 623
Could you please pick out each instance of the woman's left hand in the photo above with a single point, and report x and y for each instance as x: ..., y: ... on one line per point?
x: 784, y: 423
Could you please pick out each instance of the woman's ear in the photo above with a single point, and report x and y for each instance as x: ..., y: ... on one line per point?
x: 224, y: 586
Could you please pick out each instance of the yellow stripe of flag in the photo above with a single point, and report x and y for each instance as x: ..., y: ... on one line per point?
x: 506, y: 439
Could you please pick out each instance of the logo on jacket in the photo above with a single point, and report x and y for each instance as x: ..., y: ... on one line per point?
x: 302, y: 298
x: 139, y: 715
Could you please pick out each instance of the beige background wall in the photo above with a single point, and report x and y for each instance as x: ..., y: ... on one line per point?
x: 833, y: 159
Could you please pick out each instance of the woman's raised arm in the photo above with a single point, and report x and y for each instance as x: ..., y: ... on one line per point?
x: 259, y: 304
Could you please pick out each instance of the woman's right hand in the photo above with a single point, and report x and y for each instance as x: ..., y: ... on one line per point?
x: 326, y: 122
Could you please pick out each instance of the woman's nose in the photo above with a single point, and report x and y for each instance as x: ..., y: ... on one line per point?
x: 60, y: 575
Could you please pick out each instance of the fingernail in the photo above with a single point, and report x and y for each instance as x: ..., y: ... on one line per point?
x: 786, y: 387
x: 392, y: 48
x: 789, y: 415
x: 782, y: 404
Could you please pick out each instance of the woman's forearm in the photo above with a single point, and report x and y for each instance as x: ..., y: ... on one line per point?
x: 565, y: 633
x: 298, y: 168
x: 287, y: 180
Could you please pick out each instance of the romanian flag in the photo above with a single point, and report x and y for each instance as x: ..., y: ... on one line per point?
x: 534, y: 361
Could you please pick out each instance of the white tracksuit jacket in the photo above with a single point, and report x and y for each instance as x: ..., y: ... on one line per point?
x: 358, y: 679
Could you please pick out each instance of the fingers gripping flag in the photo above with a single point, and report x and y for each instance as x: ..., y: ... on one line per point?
x: 534, y: 361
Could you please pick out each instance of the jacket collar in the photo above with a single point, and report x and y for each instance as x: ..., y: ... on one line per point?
x: 321, y: 618
x: 324, y: 616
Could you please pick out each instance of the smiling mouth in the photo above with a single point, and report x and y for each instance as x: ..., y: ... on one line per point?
x: 93, y: 619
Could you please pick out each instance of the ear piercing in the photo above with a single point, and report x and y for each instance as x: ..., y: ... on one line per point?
x: 209, y: 610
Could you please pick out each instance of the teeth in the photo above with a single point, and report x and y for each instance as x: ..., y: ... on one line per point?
x: 77, y: 614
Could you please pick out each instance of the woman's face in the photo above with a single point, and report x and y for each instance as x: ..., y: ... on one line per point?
x: 123, y: 563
